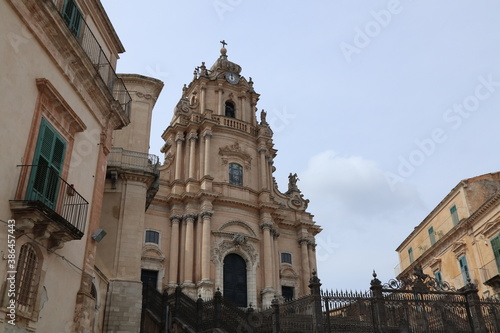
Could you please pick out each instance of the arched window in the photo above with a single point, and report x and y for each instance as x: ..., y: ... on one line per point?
x: 152, y: 237
x: 230, y: 110
x: 235, y: 174
x: 27, y: 278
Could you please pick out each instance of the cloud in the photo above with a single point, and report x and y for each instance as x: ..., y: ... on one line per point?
x: 355, y: 188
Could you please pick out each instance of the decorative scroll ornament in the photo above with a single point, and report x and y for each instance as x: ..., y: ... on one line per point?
x: 183, y: 106
x: 169, y: 158
x: 418, y: 282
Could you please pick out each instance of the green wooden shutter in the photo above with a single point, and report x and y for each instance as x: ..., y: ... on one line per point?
x: 464, y: 268
x: 72, y: 16
x: 454, y: 215
x: 47, y: 166
x: 432, y: 235
x: 495, y: 246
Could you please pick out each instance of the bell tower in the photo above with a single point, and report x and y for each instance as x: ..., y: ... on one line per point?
x: 222, y: 220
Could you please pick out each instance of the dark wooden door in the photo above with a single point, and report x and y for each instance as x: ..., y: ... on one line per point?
x: 235, y: 279
x: 149, y: 277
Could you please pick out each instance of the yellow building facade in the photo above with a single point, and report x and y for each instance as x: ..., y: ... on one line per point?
x: 459, y: 241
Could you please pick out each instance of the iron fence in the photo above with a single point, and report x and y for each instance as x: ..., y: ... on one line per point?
x: 416, y: 305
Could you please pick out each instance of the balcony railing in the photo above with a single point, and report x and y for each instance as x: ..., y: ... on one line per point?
x: 127, y: 159
x: 96, y: 55
x: 137, y: 161
x: 41, y: 188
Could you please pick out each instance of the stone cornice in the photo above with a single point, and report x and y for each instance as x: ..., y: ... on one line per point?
x: 98, y: 14
x: 46, y: 24
x: 137, y: 176
x: 153, y: 86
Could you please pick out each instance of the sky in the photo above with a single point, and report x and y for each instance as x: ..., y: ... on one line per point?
x: 380, y: 107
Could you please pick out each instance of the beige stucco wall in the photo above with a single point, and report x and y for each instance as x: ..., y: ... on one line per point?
x: 24, y: 59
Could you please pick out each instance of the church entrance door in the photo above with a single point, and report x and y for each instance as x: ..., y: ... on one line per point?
x: 235, y: 279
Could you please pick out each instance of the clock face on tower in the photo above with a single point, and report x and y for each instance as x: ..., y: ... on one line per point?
x: 232, y: 78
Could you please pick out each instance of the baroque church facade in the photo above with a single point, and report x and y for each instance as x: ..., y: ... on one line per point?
x: 89, y: 216
x: 220, y: 219
x: 210, y: 217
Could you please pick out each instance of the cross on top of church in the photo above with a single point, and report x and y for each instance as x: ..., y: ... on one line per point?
x: 223, y: 42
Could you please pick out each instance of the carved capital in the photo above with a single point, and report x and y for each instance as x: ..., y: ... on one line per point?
x: 207, y: 214
x: 190, y: 217
x: 304, y: 241
x: 193, y: 137
x: 266, y: 225
x: 175, y: 218
x: 179, y: 137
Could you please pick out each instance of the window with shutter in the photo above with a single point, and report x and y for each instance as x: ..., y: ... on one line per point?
x: 72, y: 16
x: 432, y: 235
x: 464, y: 269
x: 410, y: 255
x: 454, y: 215
x: 495, y: 246
x: 47, y: 166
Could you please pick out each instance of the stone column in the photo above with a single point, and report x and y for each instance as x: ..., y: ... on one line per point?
x: 276, y: 260
x: 268, y: 292
x: 178, y: 158
x: 189, y: 254
x: 182, y: 253
x: 306, y: 273
x: 206, y: 285
x: 244, y: 114
x: 311, y: 247
x: 205, y: 247
x: 192, y: 148
x: 220, y: 110
x: 203, y: 89
x: 174, y: 251
x: 263, y: 169
x: 207, y: 136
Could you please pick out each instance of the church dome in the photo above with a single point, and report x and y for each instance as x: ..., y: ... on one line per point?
x: 222, y: 65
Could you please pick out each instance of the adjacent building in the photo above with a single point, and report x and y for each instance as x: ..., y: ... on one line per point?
x: 459, y: 241
x: 61, y: 102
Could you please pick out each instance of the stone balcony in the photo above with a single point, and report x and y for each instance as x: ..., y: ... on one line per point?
x: 48, y: 207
